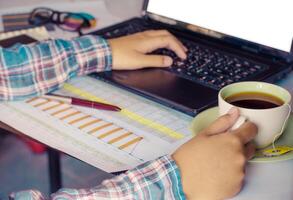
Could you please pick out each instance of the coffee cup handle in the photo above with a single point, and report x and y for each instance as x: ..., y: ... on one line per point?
x: 284, y: 125
x: 241, y: 120
x: 287, y: 117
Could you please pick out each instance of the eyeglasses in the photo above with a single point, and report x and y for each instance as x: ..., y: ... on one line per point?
x: 68, y: 21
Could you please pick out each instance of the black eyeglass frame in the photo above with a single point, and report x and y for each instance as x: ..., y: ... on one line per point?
x: 55, y: 18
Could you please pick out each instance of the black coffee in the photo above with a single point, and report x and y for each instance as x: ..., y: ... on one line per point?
x: 254, y: 100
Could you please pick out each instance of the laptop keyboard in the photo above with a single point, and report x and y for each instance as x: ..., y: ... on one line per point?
x: 210, y: 67
x: 203, y: 65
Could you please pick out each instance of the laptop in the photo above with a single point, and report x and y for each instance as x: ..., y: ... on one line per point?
x: 228, y: 41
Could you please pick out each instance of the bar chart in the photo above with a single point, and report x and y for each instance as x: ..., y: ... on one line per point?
x: 100, y: 129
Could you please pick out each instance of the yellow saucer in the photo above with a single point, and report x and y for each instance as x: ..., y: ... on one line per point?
x: 203, y: 119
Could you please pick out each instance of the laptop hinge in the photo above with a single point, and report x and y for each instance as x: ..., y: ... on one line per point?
x: 144, y: 14
x: 159, y: 18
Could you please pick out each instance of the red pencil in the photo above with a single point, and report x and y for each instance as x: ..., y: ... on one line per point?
x: 83, y: 102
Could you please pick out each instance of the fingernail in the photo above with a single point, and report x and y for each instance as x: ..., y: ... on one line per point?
x: 184, y: 56
x: 167, y: 61
x: 233, y: 111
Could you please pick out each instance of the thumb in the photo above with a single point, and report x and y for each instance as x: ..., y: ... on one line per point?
x: 154, y: 61
x: 223, y: 123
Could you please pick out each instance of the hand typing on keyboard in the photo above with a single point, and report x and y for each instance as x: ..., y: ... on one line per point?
x: 132, y: 51
x: 211, y: 67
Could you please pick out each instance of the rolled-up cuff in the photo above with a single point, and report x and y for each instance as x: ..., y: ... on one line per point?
x: 93, y: 54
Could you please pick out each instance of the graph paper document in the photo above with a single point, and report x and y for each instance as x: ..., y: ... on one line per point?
x: 111, y: 141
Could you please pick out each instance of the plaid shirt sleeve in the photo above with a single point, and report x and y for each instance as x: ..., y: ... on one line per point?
x: 158, y: 179
x: 39, y: 68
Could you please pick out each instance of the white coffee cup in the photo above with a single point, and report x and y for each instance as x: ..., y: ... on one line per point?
x: 271, y: 121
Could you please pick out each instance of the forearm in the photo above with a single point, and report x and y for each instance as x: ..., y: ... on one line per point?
x: 158, y: 179
x: 36, y: 69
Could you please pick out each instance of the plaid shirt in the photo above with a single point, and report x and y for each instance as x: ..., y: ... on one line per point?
x: 158, y: 179
x: 36, y: 69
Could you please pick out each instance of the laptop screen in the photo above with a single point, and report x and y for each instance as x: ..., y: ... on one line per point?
x: 269, y: 23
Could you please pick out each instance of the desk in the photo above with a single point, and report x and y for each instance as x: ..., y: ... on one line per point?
x: 268, y: 181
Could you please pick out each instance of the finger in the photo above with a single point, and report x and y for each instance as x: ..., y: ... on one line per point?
x: 223, y: 123
x: 249, y: 150
x: 154, y: 61
x: 246, y: 132
x: 169, y: 42
x: 180, y: 43
x: 155, y: 33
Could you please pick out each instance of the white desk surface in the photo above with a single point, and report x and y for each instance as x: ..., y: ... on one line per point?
x: 266, y: 181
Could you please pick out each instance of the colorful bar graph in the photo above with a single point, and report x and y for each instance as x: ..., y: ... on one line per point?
x: 100, y: 129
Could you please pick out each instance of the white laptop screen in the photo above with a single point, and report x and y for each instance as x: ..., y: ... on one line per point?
x: 268, y: 22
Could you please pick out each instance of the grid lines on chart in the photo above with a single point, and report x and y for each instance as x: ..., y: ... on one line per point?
x: 128, y: 113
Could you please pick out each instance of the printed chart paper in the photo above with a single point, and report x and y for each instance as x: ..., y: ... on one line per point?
x: 111, y: 141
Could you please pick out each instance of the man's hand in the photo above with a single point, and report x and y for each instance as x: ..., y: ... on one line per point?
x: 130, y: 52
x: 212, y: 164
